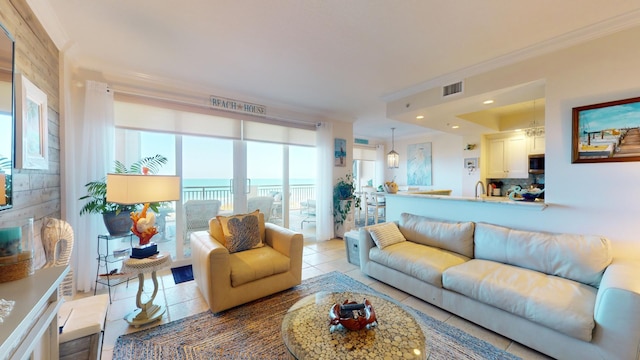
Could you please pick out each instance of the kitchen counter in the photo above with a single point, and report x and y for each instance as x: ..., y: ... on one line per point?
x: 497, y: 200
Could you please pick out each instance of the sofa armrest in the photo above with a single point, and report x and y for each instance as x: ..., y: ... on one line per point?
x: 288, y: 243
x: 210, y: 264
x: 365, y: 243
x: 616, y: 309
x: 283, y: 240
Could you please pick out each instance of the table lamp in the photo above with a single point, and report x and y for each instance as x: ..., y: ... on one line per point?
x: 133, y: 189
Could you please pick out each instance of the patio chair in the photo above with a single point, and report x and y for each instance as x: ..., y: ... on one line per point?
x: 262, y: 203
x: 309, y: 208
x: 197, y: 214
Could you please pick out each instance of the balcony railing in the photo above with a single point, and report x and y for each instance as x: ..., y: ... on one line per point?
x: 298, y: 194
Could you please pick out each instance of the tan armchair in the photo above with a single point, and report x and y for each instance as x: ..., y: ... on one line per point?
x: 227, y: 280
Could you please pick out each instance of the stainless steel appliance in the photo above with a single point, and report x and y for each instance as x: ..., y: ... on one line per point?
x: 536, y: 164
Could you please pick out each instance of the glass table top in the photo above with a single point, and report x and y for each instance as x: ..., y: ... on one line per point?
x: 307, y: 333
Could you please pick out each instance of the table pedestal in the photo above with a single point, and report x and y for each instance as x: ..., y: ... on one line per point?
x: 146, y: 312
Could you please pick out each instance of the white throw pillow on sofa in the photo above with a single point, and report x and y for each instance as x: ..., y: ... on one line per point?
x: 386, y: 234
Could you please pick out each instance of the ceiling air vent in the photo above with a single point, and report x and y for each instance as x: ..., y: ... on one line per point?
x: 452, y: 89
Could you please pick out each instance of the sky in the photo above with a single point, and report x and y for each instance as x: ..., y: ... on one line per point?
x: 612, y: 117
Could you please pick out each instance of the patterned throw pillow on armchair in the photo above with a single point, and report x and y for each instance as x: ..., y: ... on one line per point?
x: 241, y: 232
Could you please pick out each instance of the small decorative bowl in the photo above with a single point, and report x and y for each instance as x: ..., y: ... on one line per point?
x: 391, y: 189
x: 363, y: 318
x: 529, y: 196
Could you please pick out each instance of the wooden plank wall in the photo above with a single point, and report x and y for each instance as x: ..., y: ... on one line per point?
x: 36, y: 193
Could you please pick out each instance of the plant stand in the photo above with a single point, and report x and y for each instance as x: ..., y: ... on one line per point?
x: 349, y: 221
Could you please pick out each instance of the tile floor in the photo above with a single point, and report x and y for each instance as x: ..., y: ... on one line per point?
x: 184, y: 299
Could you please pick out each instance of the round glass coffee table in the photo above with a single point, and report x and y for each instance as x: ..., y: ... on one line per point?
x: 307, y: 335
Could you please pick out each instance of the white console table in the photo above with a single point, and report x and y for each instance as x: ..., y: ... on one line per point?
x: 32, y: 325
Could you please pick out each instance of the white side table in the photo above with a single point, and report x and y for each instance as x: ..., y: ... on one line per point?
x: 146, y: 312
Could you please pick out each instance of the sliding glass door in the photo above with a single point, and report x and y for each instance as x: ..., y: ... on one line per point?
x: 224, y: 177
x: 265, y: 180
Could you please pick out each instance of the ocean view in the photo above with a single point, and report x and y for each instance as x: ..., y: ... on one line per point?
x: 254, y: 182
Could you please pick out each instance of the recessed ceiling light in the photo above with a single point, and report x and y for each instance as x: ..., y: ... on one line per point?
x: 420, y: 117
x: 487, y: 102
x: 455, y: 126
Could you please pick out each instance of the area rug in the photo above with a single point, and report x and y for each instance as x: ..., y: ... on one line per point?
x: 182, y: 274
x: 252, y: 331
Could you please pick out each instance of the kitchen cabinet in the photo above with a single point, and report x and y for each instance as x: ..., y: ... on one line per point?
x: 536, y: 144
x: 507, y: 157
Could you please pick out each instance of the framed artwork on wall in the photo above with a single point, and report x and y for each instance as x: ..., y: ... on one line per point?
x: 32, y: 147
x: 606, y: 132
x: 419, y: 164
x: 340, y: 151
x: 471, y: 164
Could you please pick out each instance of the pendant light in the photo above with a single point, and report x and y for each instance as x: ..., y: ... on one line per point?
x: 393, y: 159
x: 534, y: 129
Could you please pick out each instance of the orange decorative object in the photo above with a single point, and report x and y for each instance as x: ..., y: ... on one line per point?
x: 143, y: 225
x: 352, y: 315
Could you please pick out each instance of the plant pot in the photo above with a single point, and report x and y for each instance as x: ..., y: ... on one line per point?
x: 348, y: 223
x: 117, y: 225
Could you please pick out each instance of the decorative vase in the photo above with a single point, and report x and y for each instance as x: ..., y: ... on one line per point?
x: 117, y: 225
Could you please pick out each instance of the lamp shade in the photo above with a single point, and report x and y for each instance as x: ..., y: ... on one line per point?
x: 129, y: 189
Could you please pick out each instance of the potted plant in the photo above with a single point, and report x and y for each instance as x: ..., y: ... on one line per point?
x: 343, y: 197
x: 117, y: 217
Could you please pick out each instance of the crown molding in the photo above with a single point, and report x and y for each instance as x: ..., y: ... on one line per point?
x: 44, y: 12
x: 585, y: 34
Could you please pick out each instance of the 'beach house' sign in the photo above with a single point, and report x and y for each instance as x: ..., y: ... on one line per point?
x: 237, y: 106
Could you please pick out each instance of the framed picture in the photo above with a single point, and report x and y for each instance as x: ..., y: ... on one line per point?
x: 340, y: 151
x: 32, y: 148
x: 471, y: 164
x: 419, y: 164
x: 606, y: 132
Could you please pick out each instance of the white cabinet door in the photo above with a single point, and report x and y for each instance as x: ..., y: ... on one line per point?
x: 516, y: 158
x: 496, y: 163
x: 508, y: 157
x: 536, y: 144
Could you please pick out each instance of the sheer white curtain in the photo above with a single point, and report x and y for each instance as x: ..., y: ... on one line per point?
x: 89, y: 153
x: 381, y: 164
x: 324, y: 183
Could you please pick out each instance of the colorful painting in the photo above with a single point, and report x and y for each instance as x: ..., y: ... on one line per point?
x: 340, y: 151
x: 419, y: 164
x: 607, y: 132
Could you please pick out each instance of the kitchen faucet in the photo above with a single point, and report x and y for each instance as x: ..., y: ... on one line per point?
x: 481, y: 187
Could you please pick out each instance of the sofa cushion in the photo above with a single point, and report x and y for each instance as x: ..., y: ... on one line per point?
x: 385, y: 234
x: 576, y: 257
x: 217, y: 226
x: 255, y: 264
x: 447, y: 235
x: 560, y: 304
x: 419, y: 261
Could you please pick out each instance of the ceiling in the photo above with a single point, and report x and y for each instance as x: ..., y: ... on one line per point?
x: 337, y: 58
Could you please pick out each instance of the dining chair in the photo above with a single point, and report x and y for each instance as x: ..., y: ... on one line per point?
x: 375, y: 203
